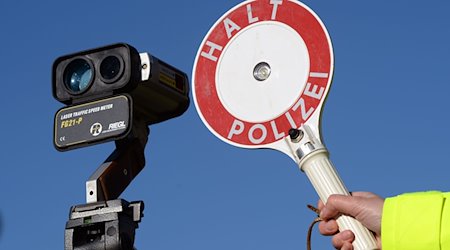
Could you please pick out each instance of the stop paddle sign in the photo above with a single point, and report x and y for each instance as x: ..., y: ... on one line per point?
x: 264, y: 67
x: 260, y: 79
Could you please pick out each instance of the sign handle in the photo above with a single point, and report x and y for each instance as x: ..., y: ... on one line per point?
x: 326, y: 181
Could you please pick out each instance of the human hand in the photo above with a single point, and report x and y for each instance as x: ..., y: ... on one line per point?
x: 365, y: 207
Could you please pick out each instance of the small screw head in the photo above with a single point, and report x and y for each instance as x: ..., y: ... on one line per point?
x: 262, y: 71
x: 296, y: 135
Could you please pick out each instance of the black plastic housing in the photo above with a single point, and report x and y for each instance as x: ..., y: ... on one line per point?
x: 155, y: 92
x: 163, y: 96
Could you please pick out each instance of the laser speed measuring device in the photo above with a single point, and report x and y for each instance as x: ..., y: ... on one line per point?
x: 260, y: 80
x: 112, y: 93
x: 108, y: 89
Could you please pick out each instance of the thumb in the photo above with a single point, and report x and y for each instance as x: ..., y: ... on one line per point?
x: 341, y: 204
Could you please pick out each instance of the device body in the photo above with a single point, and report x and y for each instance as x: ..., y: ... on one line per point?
x: 107, y: 89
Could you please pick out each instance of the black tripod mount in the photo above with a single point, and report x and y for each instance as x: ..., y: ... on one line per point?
x: 106, y: 222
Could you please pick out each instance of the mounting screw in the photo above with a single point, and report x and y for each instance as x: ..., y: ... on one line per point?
x: 296, y: 135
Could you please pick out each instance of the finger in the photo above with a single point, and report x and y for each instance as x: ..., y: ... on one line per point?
x: 328, y: 227
x: 328, y: 211
x: 320, y: 205
x: 343, y: 239
x: 337, y: 204
x: 347, y: 246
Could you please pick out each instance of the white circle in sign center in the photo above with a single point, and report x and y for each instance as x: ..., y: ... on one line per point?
x: 284, y: 50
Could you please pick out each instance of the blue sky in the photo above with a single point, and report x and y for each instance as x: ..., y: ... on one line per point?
x: 385, y: 123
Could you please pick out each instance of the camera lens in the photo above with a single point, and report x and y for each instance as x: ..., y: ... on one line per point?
x: 110, y: 68
x: 78, y: 75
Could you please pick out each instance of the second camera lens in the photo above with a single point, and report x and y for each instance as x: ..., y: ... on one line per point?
x: 110, y: 68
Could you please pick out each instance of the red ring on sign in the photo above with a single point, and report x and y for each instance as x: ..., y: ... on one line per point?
x: 313, y: 32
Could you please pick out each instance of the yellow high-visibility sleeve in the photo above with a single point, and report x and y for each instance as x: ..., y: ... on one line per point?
x: 416, y: 221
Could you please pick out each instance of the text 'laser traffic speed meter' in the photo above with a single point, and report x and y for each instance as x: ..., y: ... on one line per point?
x: 110, y: 88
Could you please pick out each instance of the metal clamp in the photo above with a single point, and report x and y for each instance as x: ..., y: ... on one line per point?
x: 303, y: 142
